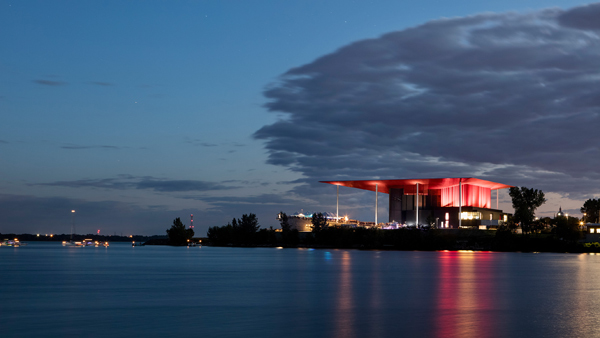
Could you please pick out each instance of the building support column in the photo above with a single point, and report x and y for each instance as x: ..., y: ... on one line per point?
x: 376, y: 208
x: 417, y: 213
x: 460, y: 203
x: 337, y: 205
x: 497, y: 198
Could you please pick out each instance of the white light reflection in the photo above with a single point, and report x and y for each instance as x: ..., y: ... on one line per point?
x: 344, y: 313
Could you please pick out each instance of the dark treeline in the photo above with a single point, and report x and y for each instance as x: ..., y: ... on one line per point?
x: 77, y: 237
x: 246, y: 232
x: 402, y: 239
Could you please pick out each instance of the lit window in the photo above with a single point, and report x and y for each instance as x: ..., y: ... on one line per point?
x: 491, y: 217
x: 447, y: 216
x: 592, y: 230
x: 505, y: 218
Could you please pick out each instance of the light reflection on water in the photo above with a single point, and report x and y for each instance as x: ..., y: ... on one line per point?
x: 49, y: 290
x: 345, y: 310
x: 465, y: 295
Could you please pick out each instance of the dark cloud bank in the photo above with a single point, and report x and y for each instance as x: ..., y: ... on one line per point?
x: 509, y: 97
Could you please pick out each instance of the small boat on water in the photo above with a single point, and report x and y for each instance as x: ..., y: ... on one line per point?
x: 85, y: 242
x: 71, y: 243
x: 12, y: 242
x: 89, y: 242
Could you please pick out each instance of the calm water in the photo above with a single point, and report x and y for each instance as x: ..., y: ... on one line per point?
x: 47, y: 290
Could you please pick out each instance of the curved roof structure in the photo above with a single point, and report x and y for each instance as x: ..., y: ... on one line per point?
x: 432, y: 183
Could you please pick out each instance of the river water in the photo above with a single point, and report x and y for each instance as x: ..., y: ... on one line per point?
x: 47, y: 290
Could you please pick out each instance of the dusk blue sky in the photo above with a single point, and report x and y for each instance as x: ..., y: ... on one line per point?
x: 137, y: 112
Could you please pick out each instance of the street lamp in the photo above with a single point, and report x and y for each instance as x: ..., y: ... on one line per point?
x: 72, y: 223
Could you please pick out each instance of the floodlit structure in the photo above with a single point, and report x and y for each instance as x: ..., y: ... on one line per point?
x: 452, y: 202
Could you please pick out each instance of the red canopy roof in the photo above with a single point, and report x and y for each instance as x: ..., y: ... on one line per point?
x: 433, y: 183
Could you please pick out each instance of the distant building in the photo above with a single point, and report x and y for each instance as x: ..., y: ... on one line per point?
x: 303, y: 221
x: 452, y: 202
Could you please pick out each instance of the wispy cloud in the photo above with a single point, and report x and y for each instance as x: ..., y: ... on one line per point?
x: 204, y: 143
x: 123, y: 182
x: 263, y: 199
x: 180, y: 185
x: 100, y: 83
x: 199, y: 142
x: 77, y: 147
x: 49, y: 83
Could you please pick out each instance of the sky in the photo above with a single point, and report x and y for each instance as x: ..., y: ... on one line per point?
x: 135, y: 113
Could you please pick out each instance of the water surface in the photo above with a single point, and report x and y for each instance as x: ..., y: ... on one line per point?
x: 50, y: 290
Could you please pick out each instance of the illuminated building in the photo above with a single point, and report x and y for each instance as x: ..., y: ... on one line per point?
x: 413, y: 201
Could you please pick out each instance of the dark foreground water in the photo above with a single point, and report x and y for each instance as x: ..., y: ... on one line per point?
x: 47, y: 290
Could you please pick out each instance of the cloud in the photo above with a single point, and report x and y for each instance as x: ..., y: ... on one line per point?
x: 583, y: 17
x: 202, y: 143
x: 263, y: 199
x: 180, y: 185
x: 50, y: 83
x: 123, y: 182
x: 100, y: 83
x: 199, y: 142
x: 77, y: 147
x: 508, y: 97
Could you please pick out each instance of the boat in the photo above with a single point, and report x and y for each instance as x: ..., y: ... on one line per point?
x: 85, y: 242
x: 71, y: 243
x: 12, y: 242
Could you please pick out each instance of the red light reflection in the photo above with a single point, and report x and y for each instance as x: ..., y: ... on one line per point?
x: 465, y: 295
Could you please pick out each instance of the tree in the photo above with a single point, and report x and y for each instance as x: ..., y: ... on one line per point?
x: 284, y: 222
x: 525, y: 201
x: 319, y: 222
x: 567, y: 228
x: 220, y: 235
x: 248, y: 224
x: 178, y: 234
x: 590, y: 209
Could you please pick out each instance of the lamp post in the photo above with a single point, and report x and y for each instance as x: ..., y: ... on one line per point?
x: 72, y: 223
x: 337, y: 204
x: 376, y: 193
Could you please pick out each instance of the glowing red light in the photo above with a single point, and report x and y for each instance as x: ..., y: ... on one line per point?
x: 472, y: 196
